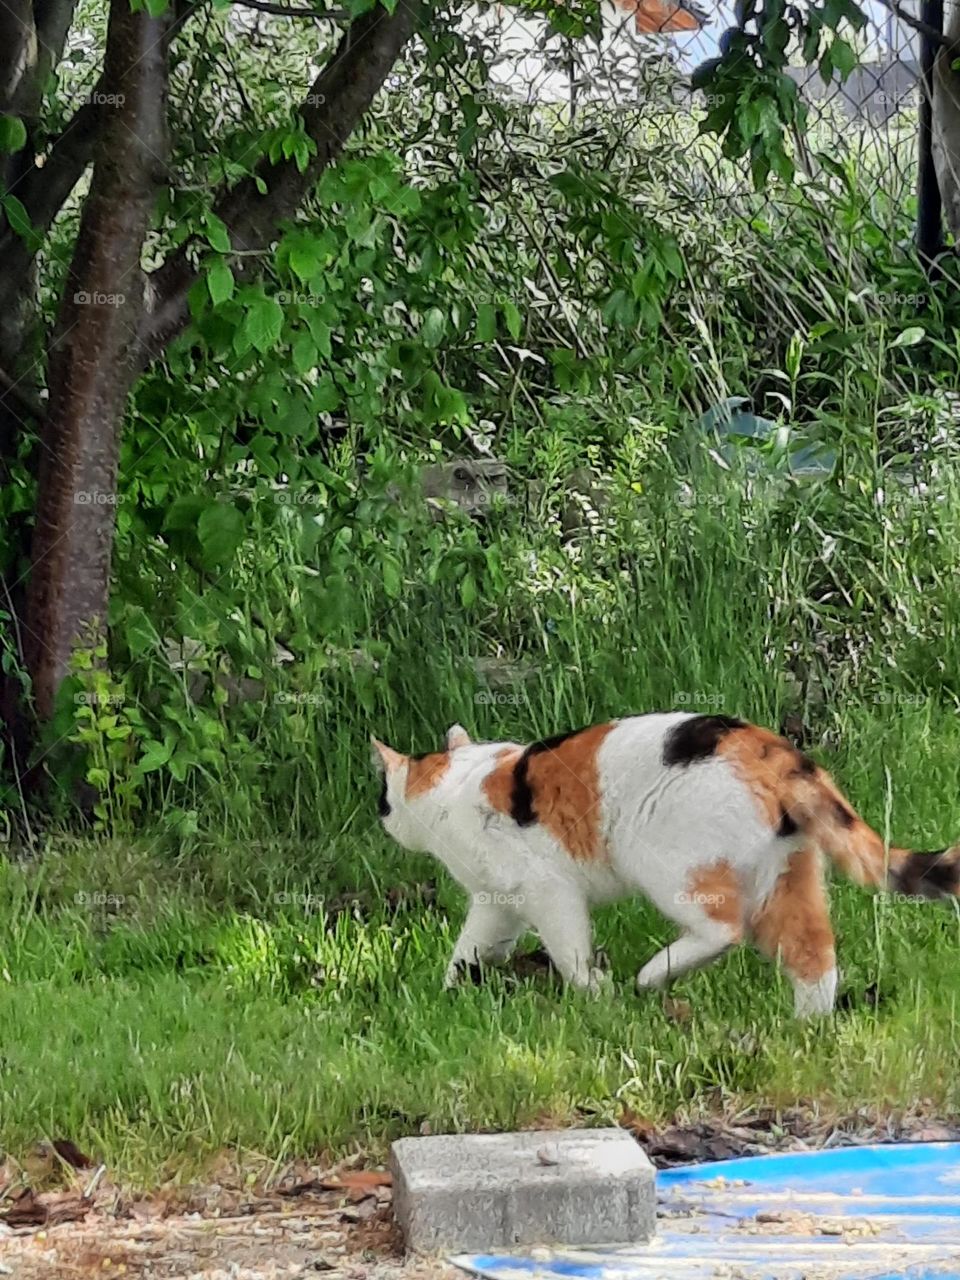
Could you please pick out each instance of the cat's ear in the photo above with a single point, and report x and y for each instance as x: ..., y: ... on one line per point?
x: 457, y: 736
x: 385, y: 759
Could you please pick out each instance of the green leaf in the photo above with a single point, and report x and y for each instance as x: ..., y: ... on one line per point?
x: 217, y: 236
x: 392, y: 582
x: 304, y: 353
x: 909, y: 337
x: 486, y: 330
x: 262, y: 324
x: 20, y: 222
x: 468, y: 590
x: 220, y: 530
x: 513, y: 320
x: 13, y: 134
x: 220, y: 283
x: 325, y: 396
x: 843, y: 57
x: 156, y: 756
x: 431, y: 331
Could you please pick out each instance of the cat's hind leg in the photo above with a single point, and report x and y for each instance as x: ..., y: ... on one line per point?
x: 690, y: 951
x: 793, y: 926
x: 710, y: 912
x: 488, y: 936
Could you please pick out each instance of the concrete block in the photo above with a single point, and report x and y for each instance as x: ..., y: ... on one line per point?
x: 485, y: 1191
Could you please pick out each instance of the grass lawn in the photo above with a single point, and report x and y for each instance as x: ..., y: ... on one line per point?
x: 154, y: 1028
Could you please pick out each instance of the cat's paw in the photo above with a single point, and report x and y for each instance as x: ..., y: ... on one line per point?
x: 462, y: 971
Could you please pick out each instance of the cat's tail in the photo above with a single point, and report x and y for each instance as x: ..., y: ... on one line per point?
x: 819, y: 809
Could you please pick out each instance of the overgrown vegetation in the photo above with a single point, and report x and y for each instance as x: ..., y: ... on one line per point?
x: 205, y: 940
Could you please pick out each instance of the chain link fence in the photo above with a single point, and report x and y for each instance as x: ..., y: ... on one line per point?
x: 638, y: 74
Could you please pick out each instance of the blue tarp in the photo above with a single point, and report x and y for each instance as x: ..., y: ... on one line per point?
x: 887, y: 1212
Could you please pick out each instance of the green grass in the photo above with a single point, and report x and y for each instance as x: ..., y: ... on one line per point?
x: 161, y: 1028
x: 166, y: 994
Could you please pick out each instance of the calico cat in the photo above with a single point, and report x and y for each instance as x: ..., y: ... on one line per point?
x: 721, y: 824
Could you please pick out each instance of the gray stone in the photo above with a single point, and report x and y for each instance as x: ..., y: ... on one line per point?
x: 488, y: 1191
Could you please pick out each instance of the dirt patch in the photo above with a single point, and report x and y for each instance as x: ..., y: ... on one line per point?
x: 64, y: 1219
x: 310, y: 1222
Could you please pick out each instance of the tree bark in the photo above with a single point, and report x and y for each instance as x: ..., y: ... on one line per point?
x: 90, y: 369
x: 946, y: 119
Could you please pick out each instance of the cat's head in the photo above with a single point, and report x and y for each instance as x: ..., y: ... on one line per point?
x: 408, y: 786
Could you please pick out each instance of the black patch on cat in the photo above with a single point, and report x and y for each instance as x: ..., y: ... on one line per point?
x: 697, y: 738
x: 383, y: 804
x: 786, y: 827
x: 926, y: 875
x: 521, y: 797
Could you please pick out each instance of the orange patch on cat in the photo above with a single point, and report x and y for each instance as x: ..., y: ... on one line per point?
x: 794, y: 922
x: 716, y: 888
x: 424, y: 774
x: 769, y: 765
x: 564, y: 783
x: 498, y: 784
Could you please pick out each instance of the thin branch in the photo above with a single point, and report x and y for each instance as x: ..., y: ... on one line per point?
x: 285, y: 11
x: 918, y: 24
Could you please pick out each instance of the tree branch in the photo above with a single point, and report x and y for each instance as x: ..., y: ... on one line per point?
x: 285, y: 11
x: 917, y: 24
x: 333, y: 107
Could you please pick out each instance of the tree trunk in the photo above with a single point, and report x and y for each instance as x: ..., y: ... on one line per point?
x: 90, y: 368
x: 946, y: 120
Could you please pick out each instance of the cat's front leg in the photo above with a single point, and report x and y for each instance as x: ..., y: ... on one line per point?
x: 488, y: 936
x: 561, y: 916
